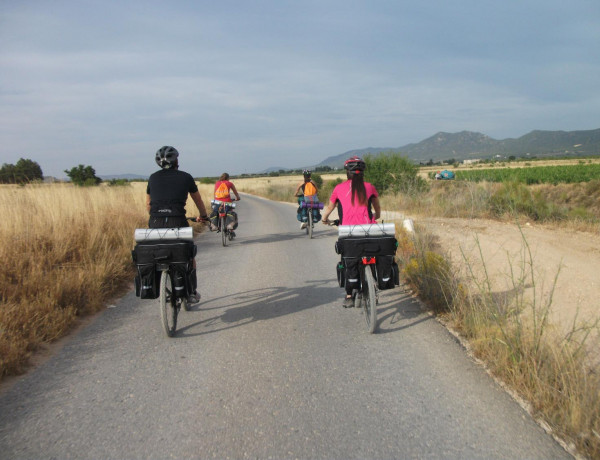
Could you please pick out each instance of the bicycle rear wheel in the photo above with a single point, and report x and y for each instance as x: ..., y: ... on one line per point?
x: 370, y: 299
x: 223, y: 231
x: 169, y: 306
x: 309, y: 227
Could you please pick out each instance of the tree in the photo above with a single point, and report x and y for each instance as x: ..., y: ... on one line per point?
x: 83, y: 175
x: 391, y: 172
x: 23, y: 172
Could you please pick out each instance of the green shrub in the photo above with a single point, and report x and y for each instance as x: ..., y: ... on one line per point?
x: 325, y: 191
x: 391, y: 172
x: 118, y: 182
x: 317, y: 179
x: 517, y: 198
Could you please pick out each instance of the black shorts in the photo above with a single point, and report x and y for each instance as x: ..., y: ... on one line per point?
x: 167, y: 222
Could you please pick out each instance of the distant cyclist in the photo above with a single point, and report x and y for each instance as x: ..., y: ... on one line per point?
x: 223, y: 189
x: 355, y: 200
x: 166, y: 196
x: 306, y: 191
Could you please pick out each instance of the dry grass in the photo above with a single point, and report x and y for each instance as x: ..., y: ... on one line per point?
x: 508, y: 328
x: 278, y: 188
x: 575, y: 206
x: 66, y: 250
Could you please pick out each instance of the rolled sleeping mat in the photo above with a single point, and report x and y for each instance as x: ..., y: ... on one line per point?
x: 228, y: 203
x: 386, y: 229
x: 304, y: 204
x: 155, y: 234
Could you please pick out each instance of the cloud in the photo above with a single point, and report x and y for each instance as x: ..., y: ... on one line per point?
x: 248, y: 85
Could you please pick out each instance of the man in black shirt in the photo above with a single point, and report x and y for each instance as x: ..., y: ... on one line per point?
x: 167, y: 192
x: 166, y: 196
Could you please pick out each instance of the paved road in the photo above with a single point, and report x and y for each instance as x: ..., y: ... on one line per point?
x: 268, y: 365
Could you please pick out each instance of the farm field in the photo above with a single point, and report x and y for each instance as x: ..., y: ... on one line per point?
x: 425, y: 171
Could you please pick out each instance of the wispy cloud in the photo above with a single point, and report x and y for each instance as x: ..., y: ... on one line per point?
x: 250, y: 85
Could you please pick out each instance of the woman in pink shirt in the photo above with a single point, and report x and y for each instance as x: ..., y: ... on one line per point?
x: 354, y: 199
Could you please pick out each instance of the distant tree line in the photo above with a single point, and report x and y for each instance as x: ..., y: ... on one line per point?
x: 23, y: 172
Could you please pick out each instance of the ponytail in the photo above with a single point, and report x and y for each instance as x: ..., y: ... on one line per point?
x: 358, y: 188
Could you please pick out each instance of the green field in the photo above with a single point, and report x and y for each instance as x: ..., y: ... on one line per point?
x: 567, y: 174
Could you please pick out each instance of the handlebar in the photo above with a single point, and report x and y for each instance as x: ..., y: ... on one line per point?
x: 332, y: 223
x: 202, y: 219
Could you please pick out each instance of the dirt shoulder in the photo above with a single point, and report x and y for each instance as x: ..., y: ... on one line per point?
x: 572, y: 257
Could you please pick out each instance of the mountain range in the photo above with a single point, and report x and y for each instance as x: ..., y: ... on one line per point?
x: 472, y: 145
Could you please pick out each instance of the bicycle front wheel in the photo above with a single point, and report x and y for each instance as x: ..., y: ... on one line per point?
x: 168, y: 304
x: 309, y: 228
x: 370, y: 299
x: 223, y: 231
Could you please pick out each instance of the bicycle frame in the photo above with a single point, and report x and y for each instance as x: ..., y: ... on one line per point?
x: 223, y: 208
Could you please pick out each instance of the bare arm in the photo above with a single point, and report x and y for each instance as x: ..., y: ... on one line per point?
x: 298, y: 189
x: 199, y: 204
x: 148, y: 202
x: 237, y: 195
x: 377, y: 207
x: 328, y: 210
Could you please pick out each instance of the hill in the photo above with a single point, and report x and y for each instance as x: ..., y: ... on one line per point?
x: 469, y: 145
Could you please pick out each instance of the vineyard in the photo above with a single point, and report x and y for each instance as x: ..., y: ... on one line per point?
x: 565, y: 174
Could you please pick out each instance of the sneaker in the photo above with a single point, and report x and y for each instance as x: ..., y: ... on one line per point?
x: 348, y: 302
x: 302, y: 225
x: 232, y: 233
x: 194, y: 298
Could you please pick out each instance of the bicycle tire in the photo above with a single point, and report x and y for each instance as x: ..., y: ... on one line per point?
x: 169, y: 307
x: 370, y: 299
x: 309, y: 227
x: 223, y: 231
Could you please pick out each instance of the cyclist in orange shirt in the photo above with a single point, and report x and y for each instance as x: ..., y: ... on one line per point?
x: 307, y: 191
x: 223, y: 189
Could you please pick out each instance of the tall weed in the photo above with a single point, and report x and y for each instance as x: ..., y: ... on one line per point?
x: 508, y: 327
x: 65, y: 252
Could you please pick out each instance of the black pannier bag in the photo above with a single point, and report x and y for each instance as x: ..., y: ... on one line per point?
x: 386, y: 278
x: 341, y: 273
x: 180, y: 279
x: 351, y: 275
x: 383, y: 247
x: 366, y: 246
x: 178, y: 254
x: 147, y: 281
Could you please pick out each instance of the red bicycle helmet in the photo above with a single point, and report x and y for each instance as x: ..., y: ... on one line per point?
x: 355, y: 164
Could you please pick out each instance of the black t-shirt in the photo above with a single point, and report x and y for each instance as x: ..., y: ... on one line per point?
x: 168, y: 190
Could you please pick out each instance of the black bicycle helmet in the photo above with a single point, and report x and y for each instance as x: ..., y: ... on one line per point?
x: 355, y: 164
x: 306, y: 173
x: 166, y: 157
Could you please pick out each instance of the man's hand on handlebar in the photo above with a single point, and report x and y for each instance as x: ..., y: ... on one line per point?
x: 198, y: 219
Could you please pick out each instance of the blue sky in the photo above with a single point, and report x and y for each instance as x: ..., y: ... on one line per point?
x: 240, y: 86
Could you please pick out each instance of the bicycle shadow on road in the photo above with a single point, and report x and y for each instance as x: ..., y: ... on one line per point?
x: 259, y: 305
x: 397, y: 310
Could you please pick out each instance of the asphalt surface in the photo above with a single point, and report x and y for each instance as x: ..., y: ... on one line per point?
x: 267, y: 365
